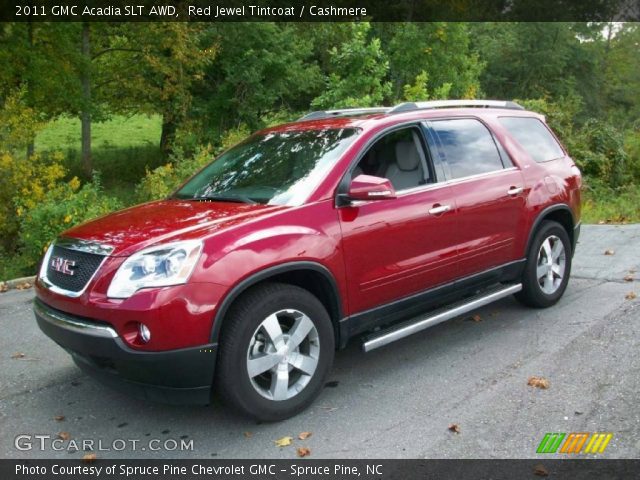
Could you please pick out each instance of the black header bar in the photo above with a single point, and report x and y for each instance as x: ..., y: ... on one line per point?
x: 319, y: 10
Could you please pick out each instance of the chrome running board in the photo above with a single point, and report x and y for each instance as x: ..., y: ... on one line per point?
x: 417, y: 324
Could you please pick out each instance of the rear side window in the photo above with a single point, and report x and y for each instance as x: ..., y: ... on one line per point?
x: 467, y: 145
x: 534, y: 137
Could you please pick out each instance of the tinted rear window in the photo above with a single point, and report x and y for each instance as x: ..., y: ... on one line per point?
x: 534, y: 137
x: 468, y: 147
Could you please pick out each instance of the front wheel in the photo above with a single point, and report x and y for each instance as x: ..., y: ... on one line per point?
x: 276, y: 350
x: 548, y: 266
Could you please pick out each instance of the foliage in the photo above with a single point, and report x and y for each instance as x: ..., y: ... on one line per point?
x: 419, y: 90
x: 441, y: 50
x: 359, y: 69
x: 23, y: 185
x: 632, y: 147
x: 261, y: 69
x: 62, y: 207
x: 162, y: 181
x: 603, y: 204
x: 18, y: 121
x: 601, y: 153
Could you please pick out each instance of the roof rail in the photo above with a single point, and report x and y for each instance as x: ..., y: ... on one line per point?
x: 409, y: 106
x: 342, y: 112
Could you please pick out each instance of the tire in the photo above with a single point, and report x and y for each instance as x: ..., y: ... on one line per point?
x: 265, y: 328
x: 544, y: 282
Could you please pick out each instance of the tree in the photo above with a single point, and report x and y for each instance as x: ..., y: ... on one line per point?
x: 531, y: 60
x: 438, y: 49
x: 261, y: 68
x: 358, y: 76
x: 621, y: 73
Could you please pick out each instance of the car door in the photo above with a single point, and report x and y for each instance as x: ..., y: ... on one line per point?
x: 488, y: 189
x: 397, y: 247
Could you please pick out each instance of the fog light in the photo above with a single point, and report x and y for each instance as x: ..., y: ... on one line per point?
x: 145, y: 334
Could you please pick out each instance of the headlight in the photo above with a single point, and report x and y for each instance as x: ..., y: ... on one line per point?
x: 159, y: 266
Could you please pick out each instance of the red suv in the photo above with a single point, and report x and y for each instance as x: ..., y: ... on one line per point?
x: 369, y: 223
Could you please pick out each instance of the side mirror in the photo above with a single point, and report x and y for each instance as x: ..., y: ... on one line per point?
x: 368, y: 187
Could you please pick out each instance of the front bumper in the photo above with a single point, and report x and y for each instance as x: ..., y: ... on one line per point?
x: 181, y: 376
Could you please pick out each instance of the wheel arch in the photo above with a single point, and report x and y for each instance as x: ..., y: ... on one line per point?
x: 312, y: 276
x: 560, y: 213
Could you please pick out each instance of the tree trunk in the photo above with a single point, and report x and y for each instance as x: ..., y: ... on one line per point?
x: 85, y: 116
x: 168, y: 136
x: 31, y: 145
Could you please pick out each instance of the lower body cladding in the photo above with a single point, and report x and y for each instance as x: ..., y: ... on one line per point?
x: 181, y: 376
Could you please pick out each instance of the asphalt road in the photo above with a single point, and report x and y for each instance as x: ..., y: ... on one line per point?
x: 395, y: 402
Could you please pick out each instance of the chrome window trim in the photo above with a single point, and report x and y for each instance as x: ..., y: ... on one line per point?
x: 434, y: 186
x: 72, y: 244
x: 72, y: 324
x: 454, y: 181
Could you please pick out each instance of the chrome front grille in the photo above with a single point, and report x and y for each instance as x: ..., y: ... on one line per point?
x: 70, y: 264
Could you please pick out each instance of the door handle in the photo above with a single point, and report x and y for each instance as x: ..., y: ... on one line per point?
x: 439, y: 209
x: 513, y: 191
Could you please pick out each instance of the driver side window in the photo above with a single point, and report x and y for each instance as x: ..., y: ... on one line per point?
x: 399, y: 157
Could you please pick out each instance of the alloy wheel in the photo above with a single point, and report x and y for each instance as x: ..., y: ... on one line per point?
x: 551, y: 264
x: 283, y: 354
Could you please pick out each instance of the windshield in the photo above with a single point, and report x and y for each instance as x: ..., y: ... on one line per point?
x: 276, y: 168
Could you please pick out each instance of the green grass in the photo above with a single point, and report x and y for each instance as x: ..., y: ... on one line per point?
x: 605, y: 205
x: 135, y: 131
x: 122, y: 149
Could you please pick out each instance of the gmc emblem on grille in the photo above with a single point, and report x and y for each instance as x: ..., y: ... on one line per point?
x: 63, y: 265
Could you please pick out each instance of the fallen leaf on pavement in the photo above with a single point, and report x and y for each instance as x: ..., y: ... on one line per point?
x: 248, y: 434
x: 59, y: 418
x: 538, y: 382
x: 89, y: 457
x: 23, y: 286
x: 64, y: 436
x: 609, y: 252
x: 540, y: 471
x: 628, y: 278
x: 18, y: 355
x: 476, y: 318
x: 283, y: 442
x: 303, y: 451
x: 630, y: 295
x: 304, y: 435
x: 454, y: 427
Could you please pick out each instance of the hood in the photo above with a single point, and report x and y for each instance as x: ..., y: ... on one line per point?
x: 163, y: 221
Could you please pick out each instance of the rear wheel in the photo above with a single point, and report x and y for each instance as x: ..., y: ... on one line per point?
x: 548, y: 266
x: 276, y: 351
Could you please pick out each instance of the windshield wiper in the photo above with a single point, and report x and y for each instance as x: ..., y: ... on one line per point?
x: 225, y: 198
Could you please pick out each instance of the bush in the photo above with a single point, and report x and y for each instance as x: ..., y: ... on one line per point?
x: 604, y: 204
x: 62, y: 207
x: 23, y: 185
x: 162, y: 181
x: 600, y: 153
x: 632, y: 147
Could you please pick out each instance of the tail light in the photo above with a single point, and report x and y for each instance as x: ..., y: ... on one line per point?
x: 575, y: 171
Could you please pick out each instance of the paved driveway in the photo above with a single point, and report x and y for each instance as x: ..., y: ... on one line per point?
x: 396, y: 402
